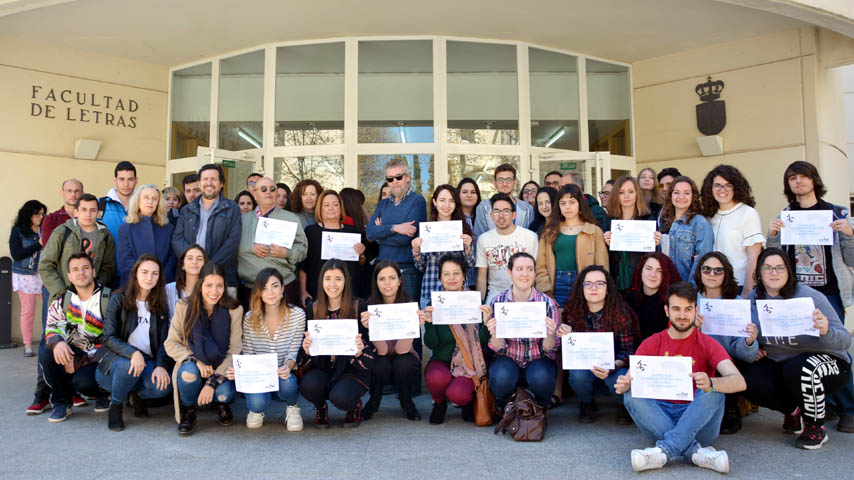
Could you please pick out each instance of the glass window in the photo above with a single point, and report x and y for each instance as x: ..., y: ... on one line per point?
x: 483, y: 101
x: 328, y: 170
x: 396, y: 91
x: 372, y: 176
x: 481, y: 168
x: 554, y: 99
x: 191, y: 110
x: 609, y: 108
x: 241, y: 101
x: 310, y: 95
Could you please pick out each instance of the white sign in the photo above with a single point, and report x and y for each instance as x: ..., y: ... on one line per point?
x: 394, y: 321
x: 256, y: 373
x: 806, y: 227
x: 786, y: 318
x: 725, y: 317
x: 339, y: 245
x: 661, y: 378
x: 451, y: 308
x: 333, y: 337
x: 520, y: 319
x: 441, y: 236
x: 585, y: 350
x: 275, y: 232
x: 633, y: 235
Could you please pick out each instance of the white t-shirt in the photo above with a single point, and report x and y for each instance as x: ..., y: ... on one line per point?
x: 735, y: 230
x: 139, y: 337
x: 493, y: 252
x: 172, y: 297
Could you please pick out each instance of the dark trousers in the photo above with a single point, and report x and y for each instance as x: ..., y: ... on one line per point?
x: 317, y: 387
x: 841, y: 402
x: 802, y: 381
x: 64, y: 384
x: 403, y: 370
x: 42, y: 389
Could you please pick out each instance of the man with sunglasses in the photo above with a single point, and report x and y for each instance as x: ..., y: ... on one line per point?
x: 395, y: 223
x: 505, y: 182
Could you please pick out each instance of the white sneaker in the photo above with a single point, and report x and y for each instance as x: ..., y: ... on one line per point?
x: 254, y: 420
x: 708, y: 457
x: 293, y: 419
x: 648, y: 459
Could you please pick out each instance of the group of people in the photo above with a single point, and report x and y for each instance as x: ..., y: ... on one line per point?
x: 148, y: 293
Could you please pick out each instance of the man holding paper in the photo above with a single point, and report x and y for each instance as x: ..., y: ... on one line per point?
x: 682, y: 430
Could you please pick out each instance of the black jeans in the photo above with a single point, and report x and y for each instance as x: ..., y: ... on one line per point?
x: 804, y: 381
x: 63, y: 384
x: 317, y: 387
x: 403, y: 370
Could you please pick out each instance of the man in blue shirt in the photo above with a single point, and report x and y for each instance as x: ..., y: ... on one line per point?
x: 505, y: 182
x: 395, y: 223
x: 113, y: 207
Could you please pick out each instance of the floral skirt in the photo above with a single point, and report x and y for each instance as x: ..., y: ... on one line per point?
x: 31, y: 284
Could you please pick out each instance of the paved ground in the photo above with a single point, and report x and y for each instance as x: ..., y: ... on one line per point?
x: 389, y: 446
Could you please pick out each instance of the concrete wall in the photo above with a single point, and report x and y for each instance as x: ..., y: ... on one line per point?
x: 848, y: 106
x: 37, y: 142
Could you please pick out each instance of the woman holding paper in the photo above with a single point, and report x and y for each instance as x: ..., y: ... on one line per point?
x: 596, y: 306
x: 625, y: 203
x: 340, y: 379
x: 190, y: 264
x: 132, y: 360
x: 448, y: 374
x: 715, y: 280
x: 445, y: 206
x: 689, y: 232
x: 533, y: 358
x: 273, y: 326
x: 795, y: 374
x: 203, y: 336
x: 330, y: 218
x: 570, y: 242
x: 648, y: 293
x: 396, y: 359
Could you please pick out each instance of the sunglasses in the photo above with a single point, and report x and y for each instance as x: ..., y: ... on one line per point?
x: 396, y: 177
x: 265, y: 189
x: 716, y: 271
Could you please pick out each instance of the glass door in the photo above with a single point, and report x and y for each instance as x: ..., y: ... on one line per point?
x: 235, y: 165
x: 593, y: 169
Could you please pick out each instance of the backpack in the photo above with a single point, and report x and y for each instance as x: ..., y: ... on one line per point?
x: 523, y: 417
x: 105, y: 300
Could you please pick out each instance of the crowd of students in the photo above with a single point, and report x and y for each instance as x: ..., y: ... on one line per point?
x: 148, y: 293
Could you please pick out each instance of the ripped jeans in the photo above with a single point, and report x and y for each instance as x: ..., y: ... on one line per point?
x: 190, y: 383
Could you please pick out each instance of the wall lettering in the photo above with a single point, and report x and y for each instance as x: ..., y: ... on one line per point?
x: 84, y: 107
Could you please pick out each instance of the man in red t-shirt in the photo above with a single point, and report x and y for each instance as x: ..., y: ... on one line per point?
x: 680, y: 429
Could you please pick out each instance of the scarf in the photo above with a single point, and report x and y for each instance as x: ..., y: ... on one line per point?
x: 469, y: 334
x: 210, y: 337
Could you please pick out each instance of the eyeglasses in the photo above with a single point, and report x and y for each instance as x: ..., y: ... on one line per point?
x: 777, y: 269
x: 503, y: 213
x: 395, y: 177
x: 716, y: 271
x: 726, y: 187
x: 604, y: 194
x: 251, y: 183
x: 505, y: 180
x: 597, y: 284
x: 529, y: 191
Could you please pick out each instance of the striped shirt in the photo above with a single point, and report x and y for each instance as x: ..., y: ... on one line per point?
x: 525, y: 350
x: 286, y: 341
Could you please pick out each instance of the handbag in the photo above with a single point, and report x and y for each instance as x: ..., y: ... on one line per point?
x: 484, y: 401
x: 524, y: 418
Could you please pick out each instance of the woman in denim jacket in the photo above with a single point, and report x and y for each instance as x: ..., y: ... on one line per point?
x: 690, y: 234
x: 25, y: 247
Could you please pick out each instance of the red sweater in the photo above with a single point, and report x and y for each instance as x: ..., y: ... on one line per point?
x: 52, y: 221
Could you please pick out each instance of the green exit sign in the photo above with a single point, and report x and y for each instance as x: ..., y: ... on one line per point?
x: 229, y: 163
x: 568, y: 166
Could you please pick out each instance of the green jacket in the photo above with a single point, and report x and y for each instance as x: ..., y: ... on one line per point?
x: 53, y: 266
x: 440, y: 340
x: 248, y: 264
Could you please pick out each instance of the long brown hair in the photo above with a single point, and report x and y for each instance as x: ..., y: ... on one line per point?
x: 353, y: 201
x: 296, y: 195
x: 180, y: 274
x: 195, y: 304
x: 729, y: 287
x: 552, y: 229
x: 256, y: 303
x: 321, y: 303
x: 156, y: 298
x: 376, y: 297
x: 615, y: 210
x: 457, y: 214
x: 669, y: 211
x: 615, y: 312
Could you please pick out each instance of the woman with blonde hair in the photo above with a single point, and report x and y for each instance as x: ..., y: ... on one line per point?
x: 146, y: 230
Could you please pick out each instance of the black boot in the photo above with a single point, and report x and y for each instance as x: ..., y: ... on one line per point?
x: 188, y: 421
x: 140, y: 407
x: 468, y: 412
x: 226, y: 418
x: 731, y: 421
x: 437, y: 416
x: 372, y: 406
x: 114, y: 417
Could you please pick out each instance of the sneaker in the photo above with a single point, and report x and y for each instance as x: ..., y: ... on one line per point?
x: 812, y: 438
x: 437, y: 416
x: 846, y: 424
x: 353, y: 418
x: 254, y: 420
x: 38, y: 406
x: 708, y: 457
x: 321, y: 417
x: 79, y: 401
x: 102, y: 404
x: 60, y: 413
x: 293, y: 418
x: 587, y: 412
x: 648, y: 459
x: 793, y: 423
x: 28, y: 352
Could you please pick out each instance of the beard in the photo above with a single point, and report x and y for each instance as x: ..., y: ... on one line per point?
x: 682, y: 329
x: 210, y: 196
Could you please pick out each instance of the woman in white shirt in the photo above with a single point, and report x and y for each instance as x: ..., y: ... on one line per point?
x: 190, y: 263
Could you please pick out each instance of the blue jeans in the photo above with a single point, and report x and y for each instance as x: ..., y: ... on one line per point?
x: 121, y: 384
x: 584, y: 383
x: 505, y: 375
x: 288, y: 393
x: 188, y: 390
x: 564, y: 280
x: 679, y: 429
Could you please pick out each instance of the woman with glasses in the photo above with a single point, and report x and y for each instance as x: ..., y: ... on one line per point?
x: 648, y: 293
x: 546, y: 198
x: 529, y: 193
x: 650, y: 189
x: 794, y: 375
x: 728, y: 204
x: 715, y: 280
x: 605, y: 193
x: 596, y: 306
x: 690, y: 234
